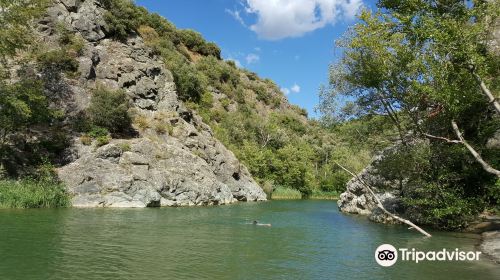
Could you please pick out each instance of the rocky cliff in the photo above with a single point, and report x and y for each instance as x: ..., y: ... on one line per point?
x: 185, y: 167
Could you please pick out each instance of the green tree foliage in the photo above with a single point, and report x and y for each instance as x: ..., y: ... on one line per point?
x: 22, y: 104
x: 109, y: 109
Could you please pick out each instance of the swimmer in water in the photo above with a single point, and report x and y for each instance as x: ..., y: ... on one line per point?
x: 256, y: 223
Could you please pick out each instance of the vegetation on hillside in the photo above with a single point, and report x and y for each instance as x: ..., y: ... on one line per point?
x: 275, y: 140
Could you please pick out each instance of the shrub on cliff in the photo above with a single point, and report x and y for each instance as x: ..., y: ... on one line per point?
x: 109, y: 109
x: 190, y: 85
x: 195, y: 42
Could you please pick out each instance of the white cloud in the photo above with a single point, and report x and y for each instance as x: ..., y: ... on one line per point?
x: 278, y: 19
x: 285, y: 91
x: 236, y: 15
x: 252, y: 58
x: 294, y: 89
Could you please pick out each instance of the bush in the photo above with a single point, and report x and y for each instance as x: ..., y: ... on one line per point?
x: 142, y: 122
x: 97, y: 131
x: 211, y: 49
x: 262, y: 94
x: 151, y: 37
x: 109, y: 110
x: 219, y: 74
x: 122, y: 17
x: 102, y: 140
x: 190, y: 85
x: 125, y: 147
x: 225, y: 102
x: 191, y: 39
x: 72, y: 43
x: 195, y: 42
x: 164, y: 128
x: 31, y: 193
x: 40, y: 191
x: 59, y: 60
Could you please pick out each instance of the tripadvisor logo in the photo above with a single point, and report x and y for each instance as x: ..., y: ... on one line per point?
x: 387, y: 255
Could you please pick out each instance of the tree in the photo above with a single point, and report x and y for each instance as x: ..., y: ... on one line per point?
x: 21, y: 104
x: 419, y: 62
x: 426, y: 66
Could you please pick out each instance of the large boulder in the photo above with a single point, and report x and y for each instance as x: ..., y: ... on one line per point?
x: 141, y: 173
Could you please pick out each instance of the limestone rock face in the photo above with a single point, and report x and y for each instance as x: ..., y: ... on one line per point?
x: 174, y: 160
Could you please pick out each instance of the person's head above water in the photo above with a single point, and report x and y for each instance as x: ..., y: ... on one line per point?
x: 255, y: 222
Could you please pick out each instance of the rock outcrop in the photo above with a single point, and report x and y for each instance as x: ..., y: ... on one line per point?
x: 490, y: 245
x: 185, y: 166
x: 358, y: 200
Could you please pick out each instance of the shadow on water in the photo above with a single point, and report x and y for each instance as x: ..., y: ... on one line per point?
x: 307, y: 240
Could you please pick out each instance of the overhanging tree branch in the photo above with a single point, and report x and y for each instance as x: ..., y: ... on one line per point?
x: 471, y: 149
x: 486, y: 91
x: 441, y: 138
x: 379, y: 204
x: 474, y: 153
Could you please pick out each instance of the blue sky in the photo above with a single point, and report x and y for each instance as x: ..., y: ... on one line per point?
x: 288, y: 41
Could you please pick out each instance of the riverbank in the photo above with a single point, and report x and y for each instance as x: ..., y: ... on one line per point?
x: 286, y: 194
x: 490, y: 245
x: 488, y: 226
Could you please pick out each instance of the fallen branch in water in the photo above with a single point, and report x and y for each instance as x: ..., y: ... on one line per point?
x: 379, y: 204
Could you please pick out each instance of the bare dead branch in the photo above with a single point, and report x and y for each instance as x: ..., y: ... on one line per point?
x: 441, y: 138
x: 474, y: 153
x: 486, y: 91
x: 379, y: 204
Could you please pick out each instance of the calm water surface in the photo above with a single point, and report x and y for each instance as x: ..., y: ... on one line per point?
x: 308, y: 240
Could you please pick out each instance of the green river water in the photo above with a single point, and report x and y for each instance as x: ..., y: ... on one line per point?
x: 308, y: 240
